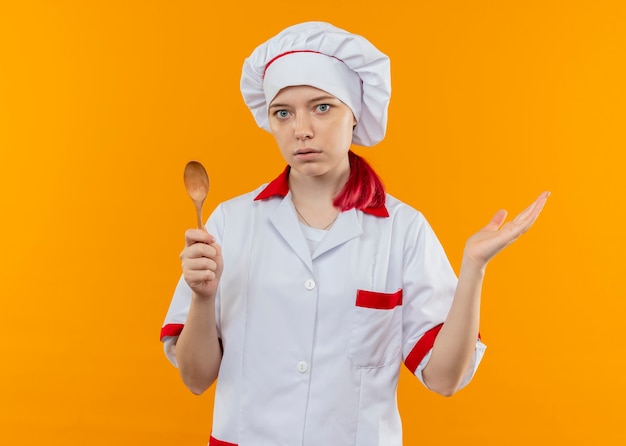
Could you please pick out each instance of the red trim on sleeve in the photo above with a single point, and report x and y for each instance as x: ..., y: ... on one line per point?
x: 171, y: 330
x: 422, y: 348
x: 215, y: 442
x: 378, y: 301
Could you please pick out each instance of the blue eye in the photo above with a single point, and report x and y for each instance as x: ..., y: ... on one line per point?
x: 323, y: 107
x: 282, y: 113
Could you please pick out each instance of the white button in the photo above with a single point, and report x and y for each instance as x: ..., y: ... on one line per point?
x: 302, y: 367
x: 309, y: 284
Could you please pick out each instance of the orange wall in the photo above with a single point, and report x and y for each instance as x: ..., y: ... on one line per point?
x: 103, y: 102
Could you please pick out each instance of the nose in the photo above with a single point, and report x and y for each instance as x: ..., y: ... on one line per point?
x: 303, y: 128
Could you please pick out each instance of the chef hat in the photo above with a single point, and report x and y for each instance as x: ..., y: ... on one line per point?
x: 323, y: 56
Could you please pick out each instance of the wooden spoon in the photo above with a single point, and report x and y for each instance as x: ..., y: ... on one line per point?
x: 197, y: 185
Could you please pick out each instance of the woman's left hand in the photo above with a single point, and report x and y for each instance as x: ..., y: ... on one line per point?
x: 486, y: 243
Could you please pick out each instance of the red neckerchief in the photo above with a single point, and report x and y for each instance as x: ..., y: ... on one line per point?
x: 280, y: 187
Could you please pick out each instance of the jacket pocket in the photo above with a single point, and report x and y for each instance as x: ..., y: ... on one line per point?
x: 376, y: 333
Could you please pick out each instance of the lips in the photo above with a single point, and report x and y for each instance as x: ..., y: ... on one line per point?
x: 306, y: 151
x: 307, y: 154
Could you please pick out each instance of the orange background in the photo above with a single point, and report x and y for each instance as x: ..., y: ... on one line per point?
x: 103, y: 102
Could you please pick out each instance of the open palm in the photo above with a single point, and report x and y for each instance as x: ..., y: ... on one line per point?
x: 497, y: 235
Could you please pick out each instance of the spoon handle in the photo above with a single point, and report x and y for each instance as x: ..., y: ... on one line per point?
x: 199, y: 215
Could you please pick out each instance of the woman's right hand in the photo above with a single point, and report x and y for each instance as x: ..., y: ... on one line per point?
x: 201, y: 263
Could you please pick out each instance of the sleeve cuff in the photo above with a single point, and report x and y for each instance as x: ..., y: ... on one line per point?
x: 169, y: 346
x: 479, y: 352
x: 169, y: 336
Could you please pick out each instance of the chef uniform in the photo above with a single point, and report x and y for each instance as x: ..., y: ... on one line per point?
x: 316, y: 323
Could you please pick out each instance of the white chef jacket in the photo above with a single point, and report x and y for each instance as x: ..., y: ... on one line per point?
x: 313, y: 342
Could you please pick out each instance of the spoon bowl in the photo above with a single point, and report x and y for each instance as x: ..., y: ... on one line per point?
x: 197, y: 185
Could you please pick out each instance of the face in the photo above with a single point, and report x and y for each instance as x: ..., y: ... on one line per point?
x: 313, y: 130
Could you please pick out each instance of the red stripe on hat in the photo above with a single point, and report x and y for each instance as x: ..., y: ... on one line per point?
x: 267, y: 65
x: 215, y: 442
x: 171, y: 330
x: 273, y: 59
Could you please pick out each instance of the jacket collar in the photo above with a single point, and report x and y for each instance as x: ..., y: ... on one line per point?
x: 279, y: 187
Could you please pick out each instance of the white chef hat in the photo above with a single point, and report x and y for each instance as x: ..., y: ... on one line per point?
x: 323, y: 56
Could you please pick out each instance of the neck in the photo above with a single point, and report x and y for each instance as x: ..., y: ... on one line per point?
x: 313, y: 197
x: 314, y: 189
x: 320, y: 188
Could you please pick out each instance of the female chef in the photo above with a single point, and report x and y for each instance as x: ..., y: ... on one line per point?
x: 303, y: 297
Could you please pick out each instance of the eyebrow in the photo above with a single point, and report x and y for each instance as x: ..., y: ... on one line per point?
x: 315, y: 99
